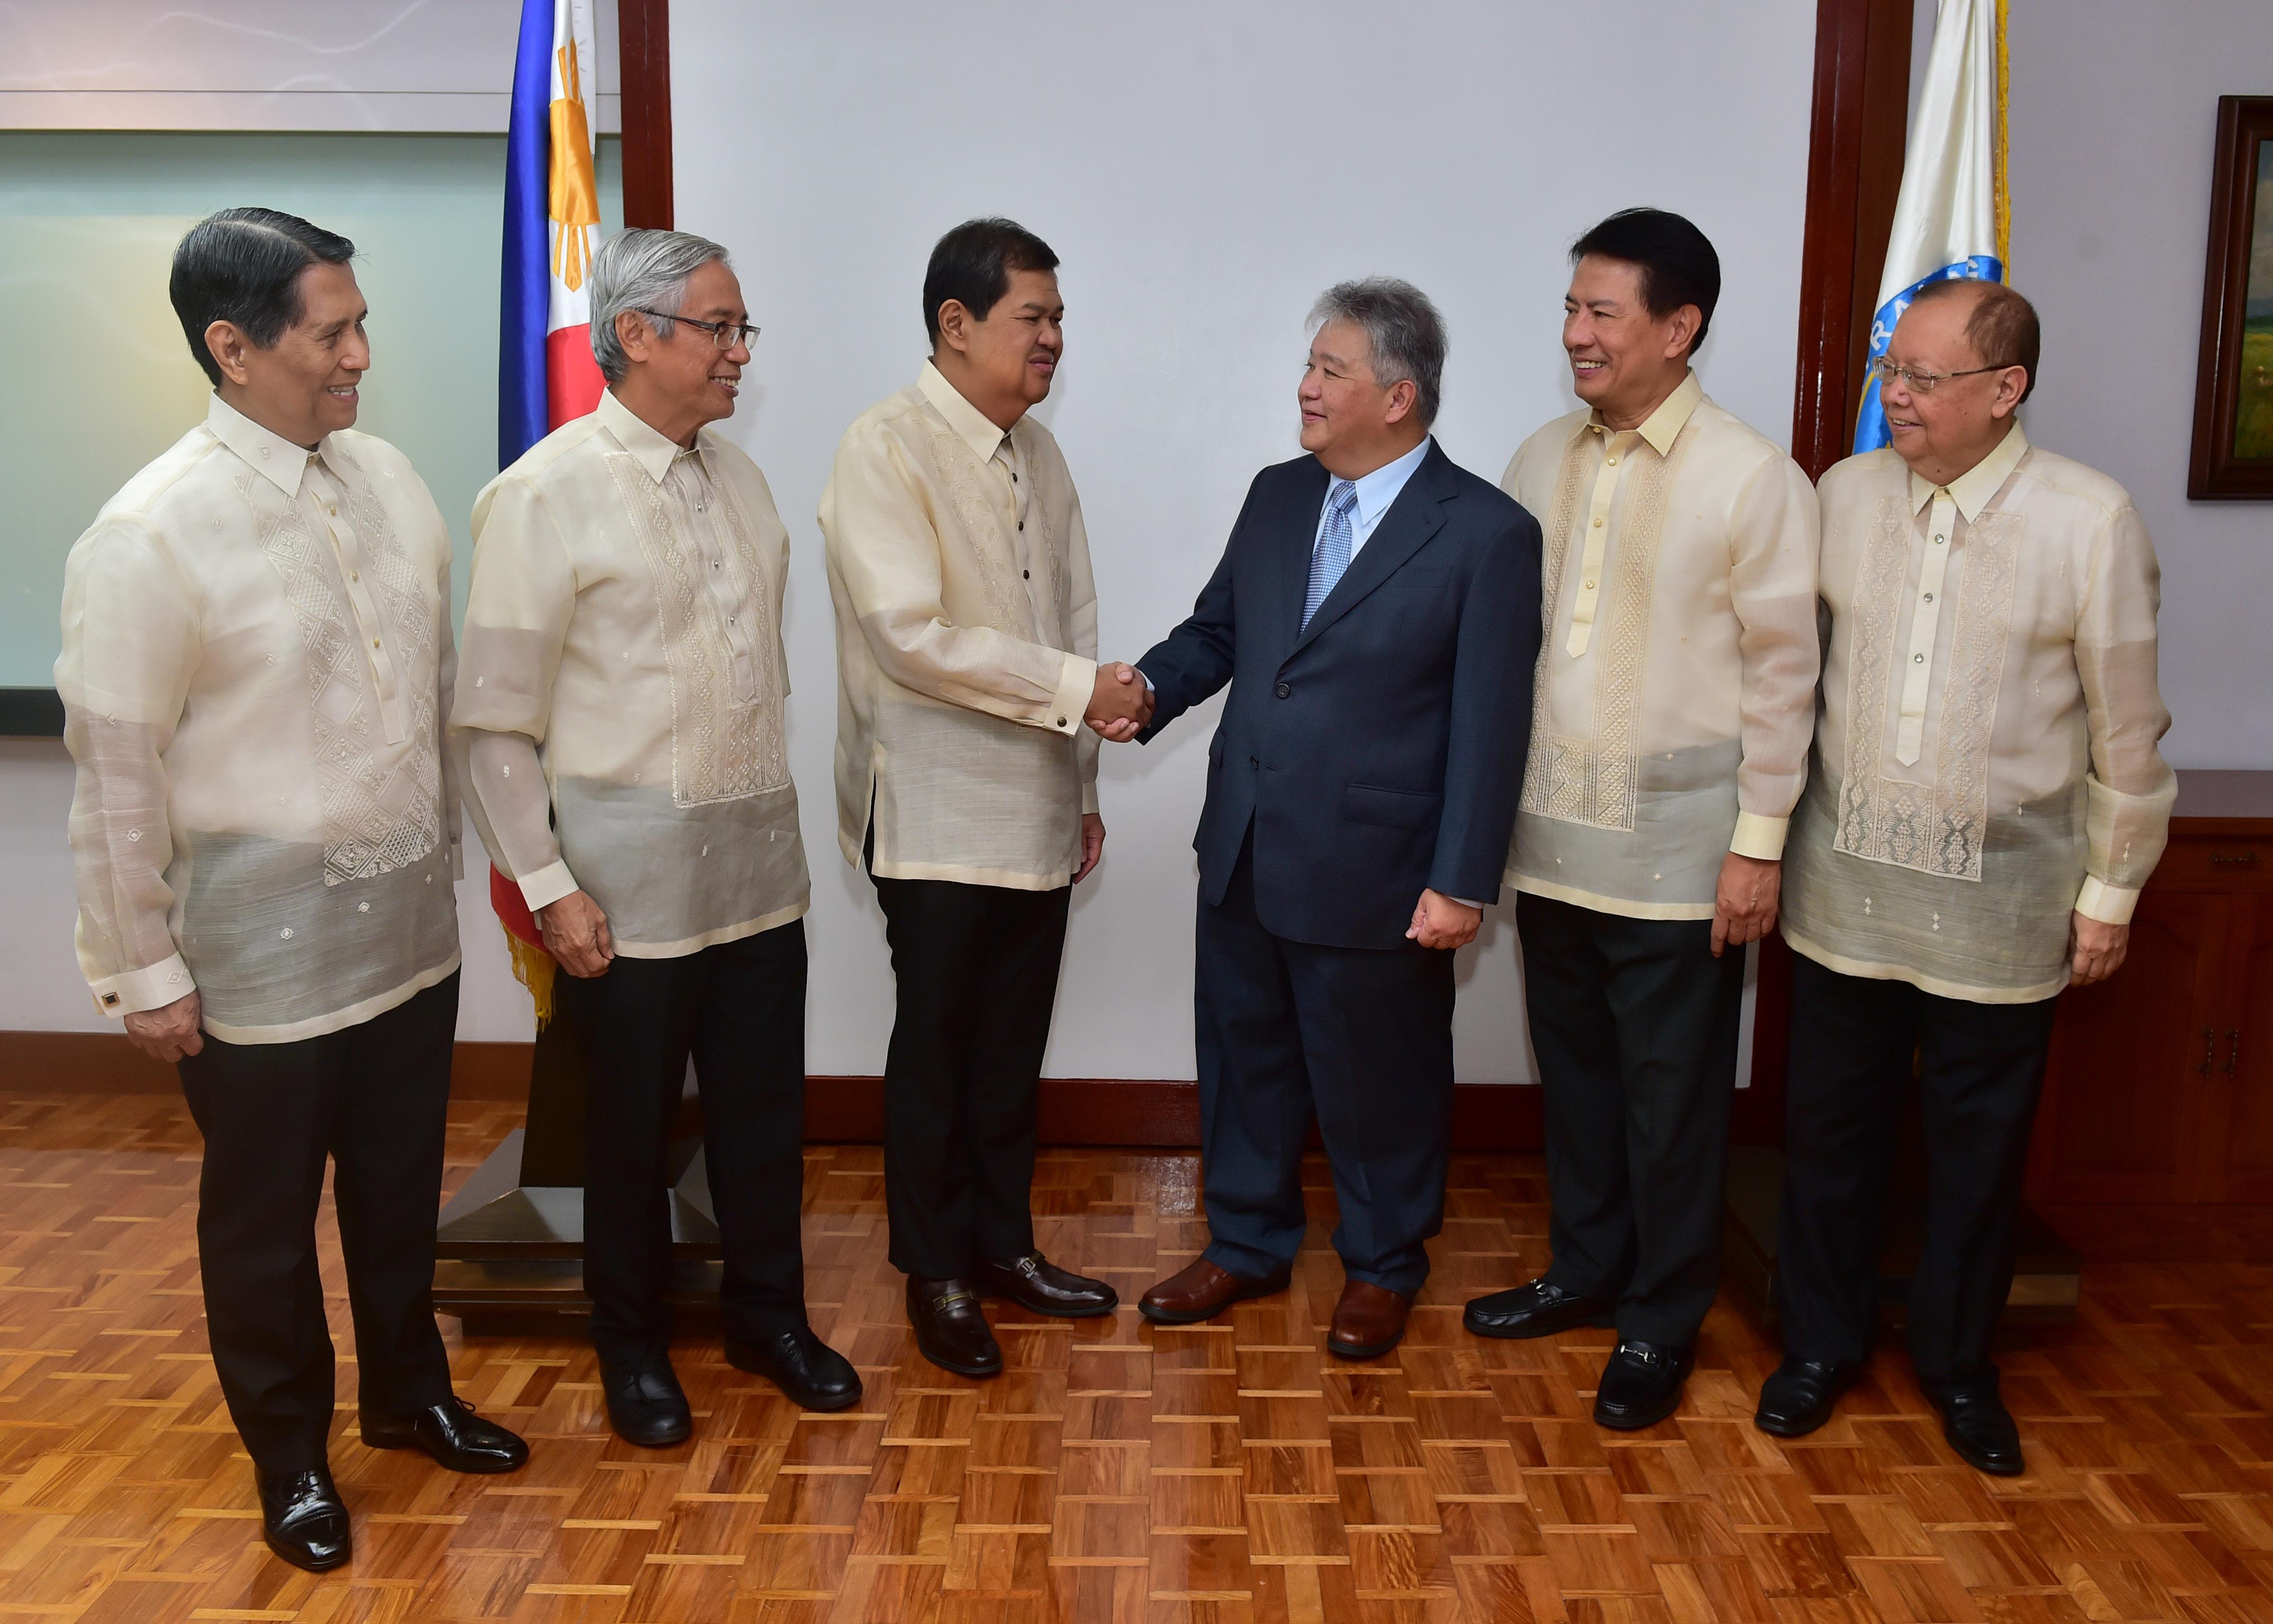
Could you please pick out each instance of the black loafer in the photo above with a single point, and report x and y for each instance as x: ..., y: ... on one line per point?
x: 452, y: 1434
x: 1040, y: 1286
x: 814, y: 1374
x: 1535, y: 1309
x: 951, y: 1328
x: 1641, y: 1385
x: 1800, y: 1396
x: 303, y: 1518
x: 1980, y: 1430
x: 645, y: 1404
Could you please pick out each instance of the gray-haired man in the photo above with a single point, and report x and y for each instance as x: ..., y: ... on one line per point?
x: 1377, y: 617
x: 619, y: 726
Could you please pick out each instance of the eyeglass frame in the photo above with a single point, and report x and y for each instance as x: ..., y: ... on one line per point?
x: 1911, y: 377
x: 717, y: 330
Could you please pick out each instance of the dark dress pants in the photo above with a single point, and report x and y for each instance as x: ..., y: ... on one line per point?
x: 1979, y: 1070
x: 1359, y: 1040
x: 1634, y: 1022
x: 373, y: 1098
x: 737, y: 1009
x: 978, y: 973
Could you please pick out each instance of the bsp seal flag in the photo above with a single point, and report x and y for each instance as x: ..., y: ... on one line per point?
x: 1953, y: 218
x: 546, y: 375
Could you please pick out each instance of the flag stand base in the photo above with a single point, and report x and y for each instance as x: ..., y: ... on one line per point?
x: 509, y: 1245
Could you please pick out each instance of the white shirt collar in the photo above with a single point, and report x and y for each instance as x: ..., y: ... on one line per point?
x: 1972, y: 489
x: 276, y: 459
x: 1664, y: 425
x: 650, y: 447
x: 972, y: 426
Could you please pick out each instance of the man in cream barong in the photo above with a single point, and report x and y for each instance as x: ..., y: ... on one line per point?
x: 619, y: 719
x: 967, y: 775
x: 1985, y: 802
x: 1674, y: 701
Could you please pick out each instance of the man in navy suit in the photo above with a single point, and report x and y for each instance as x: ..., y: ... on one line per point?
x: 1376, y: 615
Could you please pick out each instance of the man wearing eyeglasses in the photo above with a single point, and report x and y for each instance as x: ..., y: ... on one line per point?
x: 619, y: 726
x: 1985, y: 803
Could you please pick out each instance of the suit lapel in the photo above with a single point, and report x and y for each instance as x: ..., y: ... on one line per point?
x: 1417, y: 514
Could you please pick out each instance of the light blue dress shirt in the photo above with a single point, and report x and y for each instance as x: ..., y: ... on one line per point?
x: 1377, y: 494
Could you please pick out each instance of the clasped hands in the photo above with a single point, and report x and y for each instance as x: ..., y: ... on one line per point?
x: 1121, y: 703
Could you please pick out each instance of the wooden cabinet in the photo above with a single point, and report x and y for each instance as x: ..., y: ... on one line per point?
x: 2160, y: 1086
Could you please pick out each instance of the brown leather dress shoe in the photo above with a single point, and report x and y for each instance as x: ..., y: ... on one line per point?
x: 1200, y: 1292
x: 951, y: 1330
x: 1368, y: 1321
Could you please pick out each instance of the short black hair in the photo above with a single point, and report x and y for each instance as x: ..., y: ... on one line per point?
x: 244, y: 266
x: 2003, y: 328
x: 972, y: 264
x: 1676, y: 260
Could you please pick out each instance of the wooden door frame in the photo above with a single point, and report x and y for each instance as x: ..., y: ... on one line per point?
x: 1856, y: 130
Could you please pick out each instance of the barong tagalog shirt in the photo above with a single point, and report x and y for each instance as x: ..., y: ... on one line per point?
x: 620, y: 703
x: 1985, y: 759
x: 966, y: 644
x: 256, y: 675
x: 1676, y: 687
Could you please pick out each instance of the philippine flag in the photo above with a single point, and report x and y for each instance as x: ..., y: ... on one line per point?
x: 1953, y: 218
x: 546, y: 375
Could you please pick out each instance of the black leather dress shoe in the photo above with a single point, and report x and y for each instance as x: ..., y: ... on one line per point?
x: 1641, y: 1385
x: 303, y: 1519
x: 1040, y: 1286
x: 814, y: 1374
x: 1535, y: 1309
x: 1799, y: 1396
x: 951, y: 1328
x: 645, y: 1404
x: 1980, y: 1429
x: 452, y: 1434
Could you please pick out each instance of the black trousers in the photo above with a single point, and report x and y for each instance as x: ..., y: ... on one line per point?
x: 978, y: 974
x: 1980, y: 1068
x: 1361, y: 1041
x: 373, y: 1098
x: 737, y: 1008
x: 1634, y: 1022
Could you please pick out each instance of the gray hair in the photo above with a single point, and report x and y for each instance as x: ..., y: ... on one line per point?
x: 641, y: 271
x: 1404, y: 329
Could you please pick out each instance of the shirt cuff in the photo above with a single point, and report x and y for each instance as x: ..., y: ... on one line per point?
x: 1071, y: 703
x: 138, y: 990
x: 547, y: 886
x: 1760, y: 838
x: 1089, y: 804
x: 2108, y: 905
x: 1466, y: 903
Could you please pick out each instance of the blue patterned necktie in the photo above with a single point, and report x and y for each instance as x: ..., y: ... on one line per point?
x: 1332, y: 556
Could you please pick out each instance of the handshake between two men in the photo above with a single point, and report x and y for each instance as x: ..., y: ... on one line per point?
x: 1121, y: 706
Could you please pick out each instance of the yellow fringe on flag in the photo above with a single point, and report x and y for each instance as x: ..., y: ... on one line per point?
x: 2004, y: 196
x: 534, y: 968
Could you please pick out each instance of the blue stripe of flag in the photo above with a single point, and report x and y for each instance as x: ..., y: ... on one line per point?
x: 527, y: 239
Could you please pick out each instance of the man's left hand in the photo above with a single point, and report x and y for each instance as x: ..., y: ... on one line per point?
x: 1441, y: 922
x: 2096, y: 949
x: 1744, y: 903
x: 1092, y: 845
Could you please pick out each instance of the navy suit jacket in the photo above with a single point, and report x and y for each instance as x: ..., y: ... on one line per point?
x: 1380, y: 750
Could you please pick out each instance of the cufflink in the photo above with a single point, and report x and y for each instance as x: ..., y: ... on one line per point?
x: 109, y: 1000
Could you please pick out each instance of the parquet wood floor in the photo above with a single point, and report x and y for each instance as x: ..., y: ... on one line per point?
x: 1116, y: 1470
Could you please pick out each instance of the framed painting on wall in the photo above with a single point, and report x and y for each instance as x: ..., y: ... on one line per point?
x: 2233, y: 388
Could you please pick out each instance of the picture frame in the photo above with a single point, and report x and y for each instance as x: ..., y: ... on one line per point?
x: 2233, y: 384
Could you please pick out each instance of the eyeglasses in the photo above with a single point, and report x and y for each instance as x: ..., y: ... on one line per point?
x: 1918, y: 380
x: 724, y: 334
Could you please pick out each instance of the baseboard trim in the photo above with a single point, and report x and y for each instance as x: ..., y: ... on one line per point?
x: 1142, y: 1113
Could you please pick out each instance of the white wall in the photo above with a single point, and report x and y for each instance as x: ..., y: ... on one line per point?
x: 2113, y: 112
x: 1203, y: 170
x: 270, y: 64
